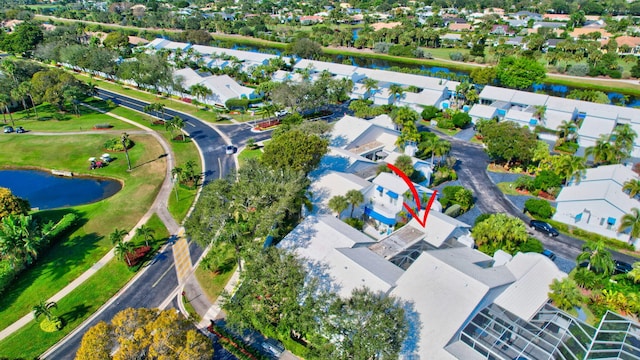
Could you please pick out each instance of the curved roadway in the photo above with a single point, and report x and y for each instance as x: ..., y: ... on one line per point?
x: 153, y: 287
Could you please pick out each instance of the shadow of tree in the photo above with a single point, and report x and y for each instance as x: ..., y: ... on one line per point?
x: 77, y: 312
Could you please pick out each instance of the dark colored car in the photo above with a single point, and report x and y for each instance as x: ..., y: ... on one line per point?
x: 548, y: 253
x: 544, y: 227
x: 20, y: 130
x: 622, y: 267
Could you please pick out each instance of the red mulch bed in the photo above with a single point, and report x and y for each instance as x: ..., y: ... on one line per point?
x: 546, y: 195
x: 138, y: 255
x: 180, y: 138
x: 157, y: 122
x: 267, y: 124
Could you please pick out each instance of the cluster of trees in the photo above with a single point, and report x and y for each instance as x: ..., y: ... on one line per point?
x: 456, y: 200
x: 494, y: 232
x: 302, y: 308
x: 593, y: 279
x: 28, y: 84
x: 22, y: 236
x: 145, y: 334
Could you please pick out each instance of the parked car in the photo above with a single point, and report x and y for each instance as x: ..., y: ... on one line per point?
x: 20, y: 130
x: 544, y: 227
x: 622, y: 267
x: 550, y: 254
x: 273, y: 347
x: 7, y: 129
x: 230, y: 150
x: 281, y: 113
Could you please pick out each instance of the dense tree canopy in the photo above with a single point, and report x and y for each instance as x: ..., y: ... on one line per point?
x: 508, y: 142
x: 295, y: 150
x: 145, y: 334
x: 500, y: 231
x: 519, y: 72
x: 11, y: 204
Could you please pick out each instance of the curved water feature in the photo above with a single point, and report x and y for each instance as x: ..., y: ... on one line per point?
x: 47, y: 191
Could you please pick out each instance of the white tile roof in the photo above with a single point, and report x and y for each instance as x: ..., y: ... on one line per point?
x: 497, y: 93
x: 561, y: 104
x: 553, y: 118
x: 391, y: 182
x: 517, y: 115
x: 425, y: 97
x: 534, y: 272
x: 443, y: 295
x: 420, y: 81
x: 353, y: 268
x: 593, y: 127
x: 319, y: 66
x: 333, y: 183
x: 347, y: 129
x: 529, y: 98
x: 483, y: 111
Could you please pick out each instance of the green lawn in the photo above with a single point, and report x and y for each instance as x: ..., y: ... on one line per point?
x: 50, y: 120
x: 80, y: 303
x: 179, y: 205
x: 190, y: 109
x: 70, y: 257
x: 212, y: 283
x: 249, y: 154
x: 507, y: 188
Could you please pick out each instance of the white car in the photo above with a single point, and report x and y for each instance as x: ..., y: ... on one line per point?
x: 230, y: 149
x: 281, y: 113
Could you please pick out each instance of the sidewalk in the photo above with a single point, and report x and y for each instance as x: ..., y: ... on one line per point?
x: 159, y: 206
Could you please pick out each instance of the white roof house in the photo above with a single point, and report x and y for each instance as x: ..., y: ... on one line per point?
x: 482, y: 112
x: 222, y: 87
x: 362, y: 137
x: 591, y: 129
x: 341, y: 160
x: 597, y: 202
x: 442, y: 289
x: 333, y: 183
x: 523, y: 118
x: 423, y: 166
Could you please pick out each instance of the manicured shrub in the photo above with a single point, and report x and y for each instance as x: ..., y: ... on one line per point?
x: 355, y: 223
x: 461, y: 120
x: 102, y: 126
x: 381, y: 47
x: 456, y: 56
x: 8, y: 273
x: 524, y: 183
x: 430, y: 112
x: 63, y: 226
x: 52, y: 325
x: 453, y: 210
x: 401, y: 50
x: 531, y: 245
x: 578, y: 70
x: 539, y: 208
x: 444, y: 123
x: 547, y: 179
x: 237, y: 104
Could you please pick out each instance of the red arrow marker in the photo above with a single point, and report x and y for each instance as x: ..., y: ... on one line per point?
x: 414, y: 192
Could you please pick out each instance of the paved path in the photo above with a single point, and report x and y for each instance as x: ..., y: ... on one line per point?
x: 159, y: 207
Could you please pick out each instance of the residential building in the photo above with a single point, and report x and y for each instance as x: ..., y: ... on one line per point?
x: 222, y: 87
x: 597, y: 202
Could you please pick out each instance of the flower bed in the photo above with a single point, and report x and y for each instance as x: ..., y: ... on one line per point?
x: 138, y: 255
x: 267, y: 124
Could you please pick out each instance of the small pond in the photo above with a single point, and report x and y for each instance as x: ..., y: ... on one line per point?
x: 47, y: 191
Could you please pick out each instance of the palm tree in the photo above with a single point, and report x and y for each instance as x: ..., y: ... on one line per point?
x: 634, y: 274
x: 117, y: 236
x: 146, y: 232
x: 44, y: 308
x: 338, y: 204
x: 26, y: 88
x: 175, y: 123
x: 540, y: 111
x: 5, y: 101
x: 631, y: 221
x: 123, y: 250
x: 565, y: 129
x: 442, y: 148
x: 125, y: 141
x: 603, y: 152
x: 200, y: 92
x: 565, y: 293
x: 598, y: 256
x: 624, y: 137
x: 570, y: 167
x: 354, y: 198
x: 633, y: 186
x: 19, y: 93
x: 371, y: 85
x: 396, y: 92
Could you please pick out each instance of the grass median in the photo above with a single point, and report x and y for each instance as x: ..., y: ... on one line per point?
x: 70, y: 257
x: 30, y: 341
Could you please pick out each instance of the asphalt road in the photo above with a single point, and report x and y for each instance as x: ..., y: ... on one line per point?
x: 472, y: 174
x: 212, y: 145
x: 153, y: 286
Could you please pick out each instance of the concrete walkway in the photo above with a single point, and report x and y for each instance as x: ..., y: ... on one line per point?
x: 159, y: 207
